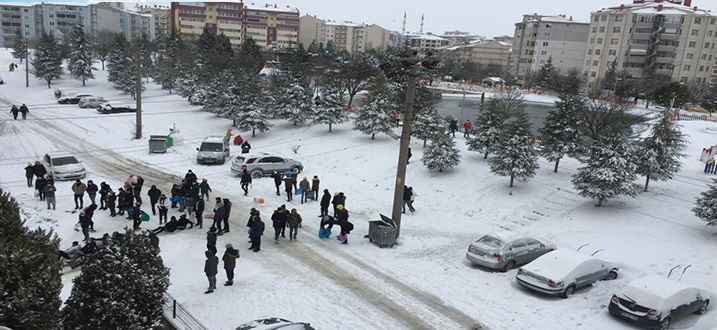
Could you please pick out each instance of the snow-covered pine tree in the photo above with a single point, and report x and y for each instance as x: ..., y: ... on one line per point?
x: 19, y: 46
x: 30, y: 272
x: 659, y: 157
x: 487, y: 128
x: 298, y: 103
x: 251, y: 114
x: 120, y: 287
x: 441, y: 153
x: 116, y: 59
x: 706, y: 205
x: 514, y: 154
x: 46, y: 61
x: 560, y: 136
x: 374, y: 116
x: 427, y: 123
x: 548, y: 75
x: 79, y: 62
x: 330, y: 108
x: 609, y: 169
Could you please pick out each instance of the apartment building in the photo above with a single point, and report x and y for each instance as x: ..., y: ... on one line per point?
x: 645, y: 38
x: 349, y: 36
x: 538, y: 38
x: 161, y: 16
x: 484, y: 52
x: 34, y: 19
x: 424, y: 43
x: 272, y: 26
x: 460, y: 37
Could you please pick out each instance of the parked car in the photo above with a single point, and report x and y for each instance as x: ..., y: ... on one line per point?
x: 63, y: 165
x: 273, y: 323
x: 656, y: 301
x: 214, y: 150
x: 91, y: 102
x: 561, y: 272
x: 262, y: 164
x: 106, y: 108
x: 505, y: 250
x: 72, y: 98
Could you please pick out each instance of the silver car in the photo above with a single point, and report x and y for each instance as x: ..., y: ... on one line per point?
x: 505, y: 250
x: 262, y: 164
x: 91, y: 102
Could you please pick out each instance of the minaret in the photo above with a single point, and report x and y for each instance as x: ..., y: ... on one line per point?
x: 403, y: 30
x: 421, y: 30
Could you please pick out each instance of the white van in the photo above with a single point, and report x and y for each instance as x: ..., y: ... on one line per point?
x: 213, y: 150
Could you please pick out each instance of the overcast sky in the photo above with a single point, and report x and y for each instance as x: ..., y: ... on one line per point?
x: 484, y: 17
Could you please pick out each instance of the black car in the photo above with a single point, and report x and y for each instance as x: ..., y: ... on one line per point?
x: 72, y: 98
x: 108, y: 108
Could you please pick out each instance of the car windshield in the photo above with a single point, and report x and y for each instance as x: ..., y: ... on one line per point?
x: 491, y: 241
x: 211, y: 146
x: 64, y: 161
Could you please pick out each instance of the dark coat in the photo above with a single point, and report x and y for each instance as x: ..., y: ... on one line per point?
x: 211, y: 265
x: 104, y: 189
x: 171, y: 226
x: 315, y: 184
x: 288, y: 183
x: 227, y: 208
x: 111, y: 198
x: 154, y: 194
x: 230, y: 258
x: 220, y: 212
x: 406, y: 194
x: 339, y: 200
x: 278, y: 219
x: 245, y: 177
x: 40, y: 183
x: 211, y: 239
x: 294, y: 220
x: 257, y: 228
x: 200, y: 207
x: 204, y: 188
x: 190, y: 177
x: 277, y: 178
x: 92, y: 188
x: 325, y: 200
x: 342, y: 215
x: 29, y: 171
x: 39, y: 170
x: 24, y: 109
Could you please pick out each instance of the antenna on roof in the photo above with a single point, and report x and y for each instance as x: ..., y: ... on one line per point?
x: 421, y: 30
x: 403, y: 30
x: 683, y: 272
x: 673, y: 268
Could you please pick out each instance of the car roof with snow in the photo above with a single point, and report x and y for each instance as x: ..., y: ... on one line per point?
x: 215, y: 138
x: 557, y: 263
x: 59, y: 153
x: 656, y: 291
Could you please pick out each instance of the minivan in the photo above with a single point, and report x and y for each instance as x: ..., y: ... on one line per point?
x: 213, y: 150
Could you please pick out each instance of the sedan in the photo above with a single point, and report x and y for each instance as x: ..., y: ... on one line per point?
x: 262, y: 164
x: 106, y: 108
x: 91, y: 102
x: 656, y: 301
x: 72, y: 98
x: 274, y: 323
x: 63, y: 165
x: 561, y: 272
x: 504, y: 250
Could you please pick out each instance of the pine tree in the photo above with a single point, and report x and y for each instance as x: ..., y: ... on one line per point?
x: 330, y: 108
x: 30, y: 272
x: 487, y: 128
x: 706, y: 205
x: 80, y: 60
x: 515, y: 156
x: 253, y: 115
x: 441, y: 153
x: 609, y: 169
x: 548, y: 75
x: 298, y: 103
x: 330, y: 48
x: 661, y: 151
x: 47, y: 62
x: 610, y: 79
x: 120, y: 287
x: 561, y: 134
x: 374, y: 116
x: 427, y: 123
x: 19, y: 47
x: 313, y: 47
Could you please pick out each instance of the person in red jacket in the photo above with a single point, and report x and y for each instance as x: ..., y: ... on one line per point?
x: 467, y: 127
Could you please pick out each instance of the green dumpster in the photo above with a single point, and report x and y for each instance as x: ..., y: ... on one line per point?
x: 170, y: 141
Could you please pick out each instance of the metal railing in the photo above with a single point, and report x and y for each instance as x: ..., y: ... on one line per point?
x: 180, y: 316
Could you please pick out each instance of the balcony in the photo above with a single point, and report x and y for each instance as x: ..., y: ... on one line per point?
x: 666, y: 48
x: 666, y: 72
x: 664, y: 60
x: 668, y: 36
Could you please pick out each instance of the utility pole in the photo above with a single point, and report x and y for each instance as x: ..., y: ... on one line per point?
x: 138, y: 96
x: 27, y: 66
x: 403, y: 152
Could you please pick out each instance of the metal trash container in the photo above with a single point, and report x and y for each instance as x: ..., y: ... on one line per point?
x: 157, y: 144
x: 382, y: 232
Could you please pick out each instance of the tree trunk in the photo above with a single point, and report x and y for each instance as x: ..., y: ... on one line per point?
x: 351, y: 99
x: 373, y: 136
x: 485, y: 156
x: 48, y: 83
x: 512, y: 176
x: 555, y: 170
x: 424, y: 143
x: 599, y: 203
x: 253, y: 132
x: 647, y: 181
x: 83, y: 82
x: 329, y: 127
x: 103, y: 65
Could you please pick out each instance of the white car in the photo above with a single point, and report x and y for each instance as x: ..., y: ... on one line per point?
x: 561, y: 272
x: 505, y: 249
x: 275, y: 323
x: 63, y: 165
x: 91, y: 102
x: 656, y: 301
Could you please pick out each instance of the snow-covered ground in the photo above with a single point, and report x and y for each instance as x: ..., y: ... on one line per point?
x: 424, y: 282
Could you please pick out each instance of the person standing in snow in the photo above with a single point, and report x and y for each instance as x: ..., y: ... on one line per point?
x: 467, y: 128
x: 411, y: 199
x: 230, y: 261
x: 245, y: 181
x: 29, y: 173
x: 50, y: 195
x: 406, y: 198
x: 162, y: 207
x: 39, y: 170
x: 219, y: 213
x: 79, y: 188
x: 288, y: 186
x: 210, y: 269
x: 325, y: 201
x: 92, y: 190
x: 342, y: 218
x: 255, y: 233
x: 200, y: 211
x: 294, y: 220
x: 339, y: 199
x: 111, y: 202
x: 245, y: 147
x: 212, y: 239
x: 408, y: 159
x: 14, y: 111
x: 137, y: 188
x: 104, y: 191
x: 190, y: 177
x: 136, y: 216
x: 154, y: 194
x: 24, y: 110
x: 305, y: 187
x: 40, y: 184
x: 277, y: 181
x: 227, y: 212
x: 315, y: 187
x: 204, y: 188
x: 453, y: 126
x: 278, y: 221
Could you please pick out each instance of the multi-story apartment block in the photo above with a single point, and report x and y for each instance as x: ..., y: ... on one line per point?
x: 268, y: 25
x: 161, y: 16
x: 538, y: 38
x: 424, y: 43
x: 460, y: 37
x: 351, y: 37
x: 34, y: 19
x: 485, y: 52
x: 648, y: 38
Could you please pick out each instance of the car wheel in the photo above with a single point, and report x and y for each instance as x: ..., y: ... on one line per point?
x: 568, y: 291
x: 703, y: 308
x: 665, y: 324
x: 296, y: 170
x: 224, y: 160
x: 611, y: 275
x: 508, y: 266
x: 257, y: 174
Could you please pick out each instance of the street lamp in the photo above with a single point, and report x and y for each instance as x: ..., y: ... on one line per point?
x: 27, y: 66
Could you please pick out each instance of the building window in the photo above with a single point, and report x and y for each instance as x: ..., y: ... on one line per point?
x: 686, y: 67
x: 590, y: 51
x: 599, y: 41
x: 616, y: 29
x: 595, y: 63
x: 593, y: 74
x: 592, y: 40
x: 51, y: 15
x: 707, y: 45
x: 602, y: 29
x: 597, y: 52
x: 52, y: 23
x: 698, y: 20
x: 547, y: 34
x: 614, y: 41
x: 692, y: 44
x: 612, y: 52
x: 702, y: 68
x: 587, y: 63
x: 545, y: 43
x: 604, y: 18
x: 544, y: 52
x: 712, y: 21
x: 695, y: 32
x: 689, y: 56
x: 618, y: 18
x: 704, y: 56
x: 594, y: 29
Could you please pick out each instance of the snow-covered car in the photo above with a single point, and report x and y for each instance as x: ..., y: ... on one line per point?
x: 91, y: 102
x: 261, y: 164
x: 63, y: 165
x: 561, y: 272
x: 72, y: 98
x: 106, y: 108
x: 656, y: 301
x: 273, y: 323
x: 505, y: 250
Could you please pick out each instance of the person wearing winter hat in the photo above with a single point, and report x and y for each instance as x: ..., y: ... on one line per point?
x: 210, y: 269
x: 305, y: 187
x: 230, y: 262
x: 204, y: 188
x: 212, y: 239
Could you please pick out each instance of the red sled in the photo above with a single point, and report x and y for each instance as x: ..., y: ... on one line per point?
x: 238, y: 140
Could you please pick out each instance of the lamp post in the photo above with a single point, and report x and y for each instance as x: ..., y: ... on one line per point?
x: 403, y: 151
x: 27, y: 66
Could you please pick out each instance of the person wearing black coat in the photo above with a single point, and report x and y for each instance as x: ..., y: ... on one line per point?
x: 39, y: 169
x: 325, y: 201
x: 154, y: 194
x: 245, y: 147
x: 40, y: 184
x: 29, y: 173
x: 219, y: 213
x: 170, y: 226
x: 183, y: 222
x: 278, y: 179
x: 212, y: 240
x: 137, y: 189
x: 257, y: 229
x: 111, y: 202
x: 406, y: 198
x: 245, y: 181
x: 92, y: 190
x: 14, y: 111
x: 24, y: 110
x: 200, y: 211
x: 190, y: 177
x: 227, y: 211
x: 104, y: 190
x: 278, y: 220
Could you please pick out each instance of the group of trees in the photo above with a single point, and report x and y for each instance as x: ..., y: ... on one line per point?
x: 121, y: 286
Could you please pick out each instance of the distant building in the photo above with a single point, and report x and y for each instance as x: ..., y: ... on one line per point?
x: 424, y: 43
x: 349, y: 36
x: 538, y: 38
x: 486, y: 52
x: 272, y: 26
x: 460, y: 37
x: 161, y: 16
